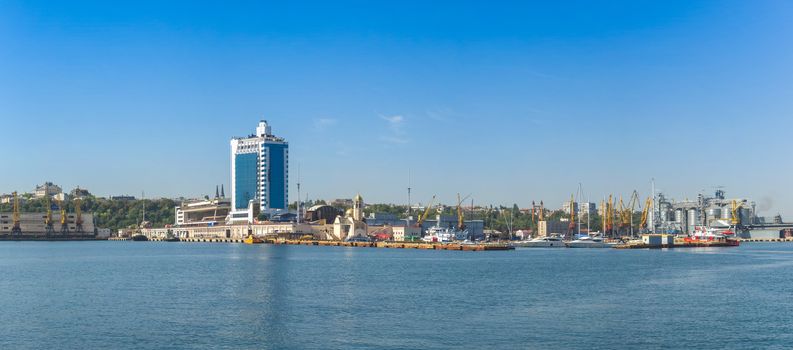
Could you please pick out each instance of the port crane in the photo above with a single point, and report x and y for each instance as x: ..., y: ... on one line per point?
x: 48, y: 218
x: 621, y: 214
x: 460, y: 214
x: 16, y: 229
x: 426, y: 213
x: 533, y: 213
x: 647, y: 204
x: 627, y: 217
x: 64, y: 218
x: 736, y: 219
x: 78, y: 215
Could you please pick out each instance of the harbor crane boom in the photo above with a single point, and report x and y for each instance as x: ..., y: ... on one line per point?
x: 424, y: 215
x: 647, y: 204
x: 622, y: 214
x: 735, y: 215
x: 460, y: 214
x: 48, y: 217
x: 17, y: 229
x: 78, y: 215
x: 630, y: 210
x: 64, y: 218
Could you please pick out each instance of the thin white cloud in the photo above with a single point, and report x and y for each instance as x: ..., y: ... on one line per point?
x: 441, y: 114
x: 393, y: 139
x: 395, y: 124
x: 322, y: 123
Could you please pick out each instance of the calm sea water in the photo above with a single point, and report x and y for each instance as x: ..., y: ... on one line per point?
x: 159, y: 295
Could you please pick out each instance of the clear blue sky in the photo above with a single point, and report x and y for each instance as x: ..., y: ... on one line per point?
x: 511, y: 102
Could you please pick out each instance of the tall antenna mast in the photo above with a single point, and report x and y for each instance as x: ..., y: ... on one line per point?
x: 299, y: 199
x: 409, y: 193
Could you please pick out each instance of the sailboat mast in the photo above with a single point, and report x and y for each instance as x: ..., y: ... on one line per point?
x: 580, y: 194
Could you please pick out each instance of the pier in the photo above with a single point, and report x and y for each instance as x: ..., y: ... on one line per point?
x: 478, y: 247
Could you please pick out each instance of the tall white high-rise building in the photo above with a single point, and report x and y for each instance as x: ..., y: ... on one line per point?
x: 259, y: 172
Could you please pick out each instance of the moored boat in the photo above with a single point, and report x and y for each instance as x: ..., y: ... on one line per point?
x: 710, y: 235
x: 251, y: 239
x: 542, y: 242
x: 589, y: 242
x: 444, y: 235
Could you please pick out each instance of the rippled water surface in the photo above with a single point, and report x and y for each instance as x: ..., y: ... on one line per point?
x: 155, y: 295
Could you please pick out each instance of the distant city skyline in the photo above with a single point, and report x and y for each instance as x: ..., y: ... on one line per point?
x: 510, y: 102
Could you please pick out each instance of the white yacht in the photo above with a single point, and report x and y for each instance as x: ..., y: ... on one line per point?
x: 444, y: 235
x: 589, y: 242
x: 542, y: 242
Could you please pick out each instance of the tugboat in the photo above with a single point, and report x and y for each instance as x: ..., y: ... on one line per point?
x: 251, y: 239
x: 713, y: 236
x: 139, y: 238
x: 171, y: 238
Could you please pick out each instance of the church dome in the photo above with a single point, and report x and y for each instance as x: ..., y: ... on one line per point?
x: 358, y: 198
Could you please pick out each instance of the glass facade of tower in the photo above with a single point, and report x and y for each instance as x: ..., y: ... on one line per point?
x: 245, y: 178
x: 276, y: 176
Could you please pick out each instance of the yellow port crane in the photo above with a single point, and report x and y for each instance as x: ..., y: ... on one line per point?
x: 736, y: 219
x: 460, y: 213
x: 64, y: 218
x: 621, y: 214
x: 17, y: 229
x: 627, y: 217
x: 78, y: 215
x: 533, y: 213
x: 426, y: 213
x: 48, y: 217
x: 647, y: 204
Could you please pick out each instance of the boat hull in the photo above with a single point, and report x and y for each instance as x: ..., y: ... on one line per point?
x: 588, y: 245
x: 252, y: 240
x: 540, y: 244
